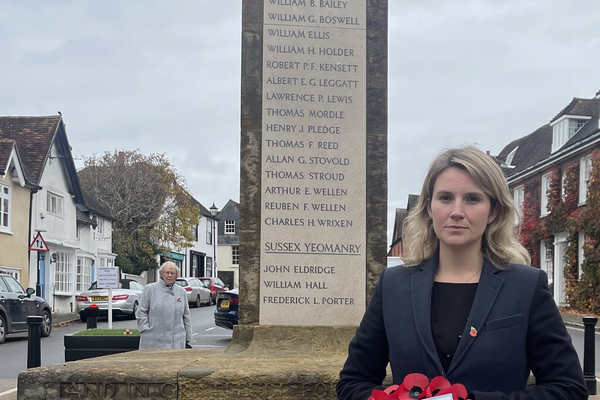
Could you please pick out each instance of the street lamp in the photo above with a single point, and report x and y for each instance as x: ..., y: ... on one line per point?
x: 213, y: 212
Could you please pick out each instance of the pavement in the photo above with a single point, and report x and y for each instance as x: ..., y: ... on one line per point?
x: 571, y: 320
x: 7, y: 386
x: 64, y: 319
x: 575, y: 320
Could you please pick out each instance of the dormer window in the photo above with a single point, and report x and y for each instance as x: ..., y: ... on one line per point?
x: 565, y: 128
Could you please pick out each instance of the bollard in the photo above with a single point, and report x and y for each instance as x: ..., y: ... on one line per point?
x: 589, y: 351
x: 92, y: 313
x: 34, y: 341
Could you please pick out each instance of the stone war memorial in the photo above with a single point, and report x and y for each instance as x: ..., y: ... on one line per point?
x: 313, y: 198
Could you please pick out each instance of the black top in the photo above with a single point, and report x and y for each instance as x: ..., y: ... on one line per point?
x: 450, y: 307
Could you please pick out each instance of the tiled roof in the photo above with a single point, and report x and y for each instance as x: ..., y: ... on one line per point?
x: 398, y: 222
x: 95, y: 206
x: 6, y: 146
x: 82, y: 217
x: 203, y: 210
x: 584, y: 107
x: 34, y: 136
x: 533, y: 148
x: 591, y: 127
x: 413, y: 199
x: 536, y: 148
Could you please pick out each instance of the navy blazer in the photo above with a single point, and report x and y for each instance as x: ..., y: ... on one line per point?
x: 519, y: 329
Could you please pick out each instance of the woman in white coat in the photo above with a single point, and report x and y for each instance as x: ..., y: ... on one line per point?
x: 163, y: 315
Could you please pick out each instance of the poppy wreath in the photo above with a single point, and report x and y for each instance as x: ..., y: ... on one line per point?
x: 418, y: 386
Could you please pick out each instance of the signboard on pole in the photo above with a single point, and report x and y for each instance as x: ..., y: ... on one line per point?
x: 38, y: 244
x: 108, y: 278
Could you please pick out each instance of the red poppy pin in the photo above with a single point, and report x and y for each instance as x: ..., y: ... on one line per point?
x: 473, y: 332
x: 179, y: 300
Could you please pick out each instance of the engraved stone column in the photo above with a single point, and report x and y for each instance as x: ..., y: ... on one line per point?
x: 313, y: 160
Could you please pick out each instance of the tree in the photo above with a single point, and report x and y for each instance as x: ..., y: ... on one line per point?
x: 152, y: 208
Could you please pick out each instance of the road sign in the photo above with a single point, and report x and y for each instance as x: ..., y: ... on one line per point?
x: 38, y: 243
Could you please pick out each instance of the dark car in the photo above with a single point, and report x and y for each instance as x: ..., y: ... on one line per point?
x: 226, y: 314
x: 16, y: 304
x: 215, y: 285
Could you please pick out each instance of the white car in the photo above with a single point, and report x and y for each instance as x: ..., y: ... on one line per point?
x: 197, y: 293
x: 125, y: 300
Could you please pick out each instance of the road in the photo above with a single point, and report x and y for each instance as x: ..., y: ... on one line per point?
x: 13, y: 353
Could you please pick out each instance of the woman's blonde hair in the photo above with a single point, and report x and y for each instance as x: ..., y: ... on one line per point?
x: 499, y: 243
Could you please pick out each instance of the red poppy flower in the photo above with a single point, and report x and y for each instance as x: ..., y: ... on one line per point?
x: 438, y: 383
x: 418, y: 386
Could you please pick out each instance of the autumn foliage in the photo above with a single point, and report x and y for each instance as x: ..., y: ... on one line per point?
x: 153, y: 211
x: 567, y: 216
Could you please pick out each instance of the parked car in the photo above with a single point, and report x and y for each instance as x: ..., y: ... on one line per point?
x: 16, y: 304
x: 125, y: 300
x: 215, y: 285
x: 226, y: 314
x: 197, y: 293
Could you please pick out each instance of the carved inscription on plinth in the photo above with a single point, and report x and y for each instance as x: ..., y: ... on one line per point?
x: 123, y: 390
x: 313, y: 210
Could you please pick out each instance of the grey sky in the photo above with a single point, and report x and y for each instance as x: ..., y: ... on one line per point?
x: 164, y: 76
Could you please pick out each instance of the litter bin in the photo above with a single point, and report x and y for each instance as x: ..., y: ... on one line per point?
x: 91, y: 313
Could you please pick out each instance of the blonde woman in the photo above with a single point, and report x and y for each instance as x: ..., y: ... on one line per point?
x: 465, y: 305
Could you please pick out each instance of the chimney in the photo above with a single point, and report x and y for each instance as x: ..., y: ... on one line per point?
x: 487, y: 152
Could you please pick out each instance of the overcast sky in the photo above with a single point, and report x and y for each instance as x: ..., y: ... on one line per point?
x: 164, y: 77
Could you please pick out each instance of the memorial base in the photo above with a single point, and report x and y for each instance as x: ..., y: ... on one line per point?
x: 262, y: 362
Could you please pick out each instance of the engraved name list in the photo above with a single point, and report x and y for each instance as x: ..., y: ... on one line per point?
x: 313, y: 163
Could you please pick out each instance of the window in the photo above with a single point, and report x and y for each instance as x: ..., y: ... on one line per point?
x: 14, y: 286
x: 100, y: 228
x: 575, y: 125
x: 580, y: 252
x: 14, y: 272
x: 195, y: 231
x: 194, y: 265
x: 564, y: 129
x: 518, y: 197
x: 209, y: 232
x: 545, y: 194
x: 585, y: 167
x: 209, y: 262
x: 63, y: 277
x: 54, y: 205
x: 4, y: 208
x: 106, y: 262
x: 3, y: 287
x: 563, y: 189
x: 547, y: 257
x: 235, y: 255
x: 229, y: 227
x: 84, y: 273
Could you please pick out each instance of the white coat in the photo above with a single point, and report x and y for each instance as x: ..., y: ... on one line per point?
x: 163, y: 317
